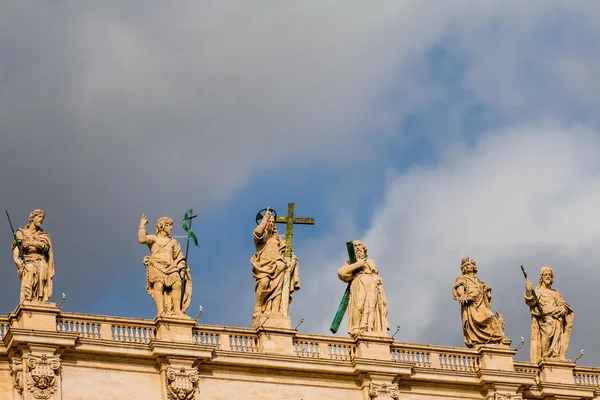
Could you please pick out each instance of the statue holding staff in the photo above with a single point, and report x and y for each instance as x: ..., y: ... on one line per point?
x: 550, y: 329
x: 166, y: 269
x: 480, y: 324
x: 32, y: 254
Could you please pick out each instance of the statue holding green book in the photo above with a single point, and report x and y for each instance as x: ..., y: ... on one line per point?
x: 364, y: 297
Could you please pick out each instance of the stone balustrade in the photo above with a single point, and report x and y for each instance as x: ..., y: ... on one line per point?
x: 218, y: 349
x: 245, y: 340
x: 587, y: 376
x: 324, y: 347
x: 227, y: 338
x: 120, y: 329
x: 4, y: 326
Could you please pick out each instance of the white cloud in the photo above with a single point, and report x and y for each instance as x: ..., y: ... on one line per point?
x: 132, y: 106
x: 530, y: 192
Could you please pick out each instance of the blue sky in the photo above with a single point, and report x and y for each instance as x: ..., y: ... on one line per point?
x: 431, y: 131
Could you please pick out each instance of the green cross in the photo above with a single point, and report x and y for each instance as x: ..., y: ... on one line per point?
x: 289, y: 221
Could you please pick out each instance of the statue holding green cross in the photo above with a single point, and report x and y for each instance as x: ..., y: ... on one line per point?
x: 275, y: 266
x: 364, y: 297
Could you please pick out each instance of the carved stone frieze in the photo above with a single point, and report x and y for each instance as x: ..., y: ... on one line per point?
x: 181, y: 384
x: 383, y: 391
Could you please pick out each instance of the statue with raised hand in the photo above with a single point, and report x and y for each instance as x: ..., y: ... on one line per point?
x: 32, y: 254
x: 269, y: 266
x: 551, y: 329
x: 165, y: 268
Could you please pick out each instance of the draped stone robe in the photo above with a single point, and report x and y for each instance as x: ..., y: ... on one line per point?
x: 480, y: 324
x: 38, y: 270
x: 367, y: 307
x: 549, y: 339
x: 269, y: 264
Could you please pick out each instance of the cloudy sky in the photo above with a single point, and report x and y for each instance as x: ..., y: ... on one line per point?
x: 430, y: 130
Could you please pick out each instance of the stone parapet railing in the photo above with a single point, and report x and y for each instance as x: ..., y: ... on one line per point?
x: 305, y: 346
x: 227, y: 338
x: 249, y: 355
x: 324, y: 347
x: 437, y: 357
x: 522, y: 366
x: 4, y: 326
x: 120, y: 329
x: 587, y: 376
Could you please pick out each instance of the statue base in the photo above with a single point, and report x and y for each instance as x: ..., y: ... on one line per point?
x: 174, y: 329
x: 373, y: 345
x: 496, y: 356
x: 556, y: 371
x: 274, y: 332
x: 34, y: 315
x: 277, y: 321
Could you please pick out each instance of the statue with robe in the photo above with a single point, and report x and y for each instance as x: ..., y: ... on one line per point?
x: 367, y: 306
x: 165, y: 269
x: 268, y: 268
x: 480, y: 324
x: 549, y: 339
x: 32, y: 254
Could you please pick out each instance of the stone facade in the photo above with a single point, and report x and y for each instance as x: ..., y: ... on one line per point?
x: 49, y: 354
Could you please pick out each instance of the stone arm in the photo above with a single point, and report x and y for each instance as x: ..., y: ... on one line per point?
x: 549, y: 309
x: 559, y: 309
x: 348, y: 271
x: 529, y: 300
x: 143, y: 236
x: 260, y: 231
x: 17, y: 259
x: 42, y: 245
x: 465, y: 291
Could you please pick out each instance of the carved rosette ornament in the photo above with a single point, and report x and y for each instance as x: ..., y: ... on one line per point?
x: 37, y: 375
x: 383, y: 391
x: 181, y: 385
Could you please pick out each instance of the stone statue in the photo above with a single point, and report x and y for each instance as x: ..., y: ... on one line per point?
x: 480, y: 324
x: 549, y: 339
x: 32, y: 253
x: 268, y: 268
x: 165, y: 269
x: 367, y: 307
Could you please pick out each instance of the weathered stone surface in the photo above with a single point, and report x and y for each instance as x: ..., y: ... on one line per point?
x: 166, y: 265
x: 550, y: 332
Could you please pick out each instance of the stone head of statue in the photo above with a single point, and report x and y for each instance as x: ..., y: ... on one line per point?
x: 468, y: 265
x: 546, y: 276
x: 164, y: 224
x: 360, y: 249
x: 36, y: 218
